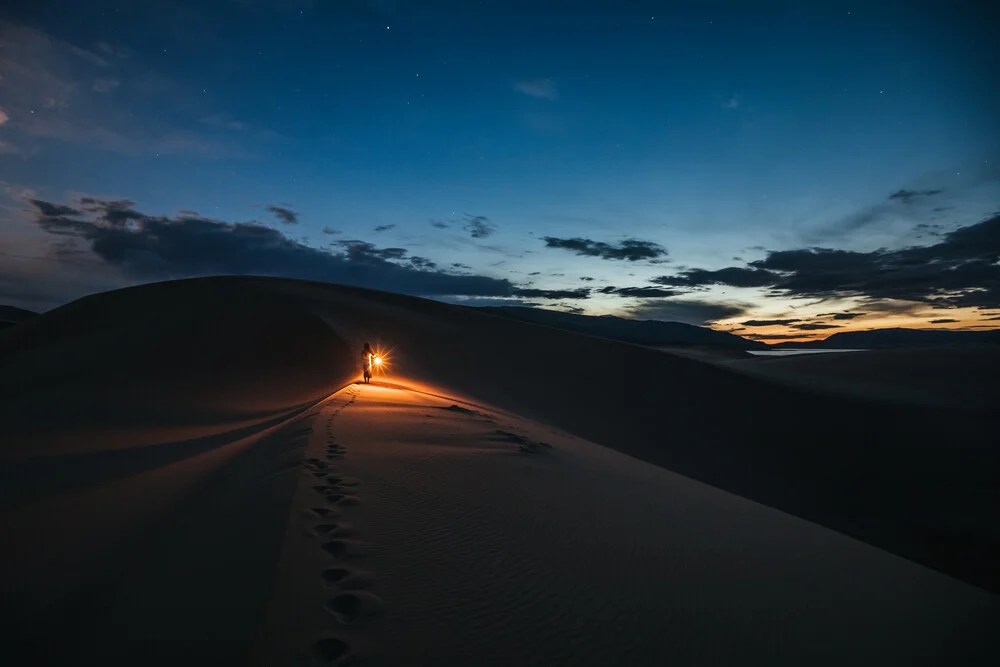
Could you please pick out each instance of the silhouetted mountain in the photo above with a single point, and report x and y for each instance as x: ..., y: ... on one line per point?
x: 639, y: 332
x: 884, y: 338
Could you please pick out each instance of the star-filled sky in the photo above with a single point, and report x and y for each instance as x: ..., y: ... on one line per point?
x: 782, y: 169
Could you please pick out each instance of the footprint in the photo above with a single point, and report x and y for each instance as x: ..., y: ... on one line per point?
x: 348, y: 580
x: 344, y: 549
x: 354, y: 606
x: 333, y: 530
x: 322, y: 511
x: 332, y: 496
x: 349, y: 500
x: 320, y: 474
x: 331, y: 649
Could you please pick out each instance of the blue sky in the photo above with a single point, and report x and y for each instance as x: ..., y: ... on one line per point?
x: 709, y: 131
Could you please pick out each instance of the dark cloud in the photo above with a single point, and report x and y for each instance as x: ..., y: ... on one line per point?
x: 384, y: 228
x: 578, y: 293
x: 439, y: 224
x: 846, y: 316
x: 962, y: 269
x: 814, y: 326
x: 943, y: 321
x: 992, y: 319
x: 52, y: 210
x: 768, y: 323
x: 423, y: 263
x: 535, y: 273
x: 95, y: 205
x: 363, y: 251
x: 639, y: 292
x: 586, y: 279
x: 285, y: 215
x: 145, y: 247
x: 689, y: 311
x: 778, y: 336
x: 630, y: 249
x: 734, y: 276
x: 459, y: 265
x: 908, y: 196
x: 331, y: 230
x: 478, y: 226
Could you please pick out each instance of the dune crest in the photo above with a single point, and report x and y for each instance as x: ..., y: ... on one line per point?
x: 173, y: 466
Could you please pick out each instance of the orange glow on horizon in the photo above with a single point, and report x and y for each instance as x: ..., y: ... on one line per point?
x: 958, y: 319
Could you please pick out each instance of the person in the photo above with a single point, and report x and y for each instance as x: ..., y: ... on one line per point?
x: 367, y: 359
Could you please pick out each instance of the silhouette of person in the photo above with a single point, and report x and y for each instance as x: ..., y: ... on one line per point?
x: 367, y: 357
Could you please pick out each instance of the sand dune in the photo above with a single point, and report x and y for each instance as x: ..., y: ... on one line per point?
x: 175, y: 485
x: 958, y: 378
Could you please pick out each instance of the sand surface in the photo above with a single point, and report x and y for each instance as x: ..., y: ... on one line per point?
x: 189, y: 474
x: 426, y: 531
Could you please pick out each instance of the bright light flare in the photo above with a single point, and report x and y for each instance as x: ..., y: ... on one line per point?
x: 378, y: 360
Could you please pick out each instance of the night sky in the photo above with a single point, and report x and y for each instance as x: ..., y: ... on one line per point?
x: 781, y: 169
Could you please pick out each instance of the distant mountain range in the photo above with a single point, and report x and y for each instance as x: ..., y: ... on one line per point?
x: 884, y: 338
x: 651, y: 332
x: 639, y: 332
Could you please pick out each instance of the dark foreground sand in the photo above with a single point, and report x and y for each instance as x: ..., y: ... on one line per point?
x: 176, y: 486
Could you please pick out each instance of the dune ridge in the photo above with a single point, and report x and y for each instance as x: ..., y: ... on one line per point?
x: 173, y: 507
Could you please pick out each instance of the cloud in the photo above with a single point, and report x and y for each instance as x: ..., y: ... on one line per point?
x: 639, y: 292
x: 733, y: 276
x: 579, y: 293
x: 438, y: 224
x: 478, y: 226
x: 961, y: 270
x: 285, y: 215
x: 51, y: 210
x: 631, y: 250
x: 810, y: 326
x: 909, y: 196
x: 768, y: 323
x: 145, y: 247
x: 3, y: 116
x: 586, y: 279
x: 687, y: 311
x: 384, y: 228
x: 331, y: 230
x: 778, y: 336
x: 846, y: 316
x: 944, y: 321
x: 54, y: 100
x: 106, y: 85
x: 732, y: 103
x: 543, y: 89
x: 992, y: 319
x: 423, y: 263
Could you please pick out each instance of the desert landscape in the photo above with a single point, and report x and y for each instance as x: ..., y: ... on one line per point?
x: 191, y: 471
x: 438, y: 333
